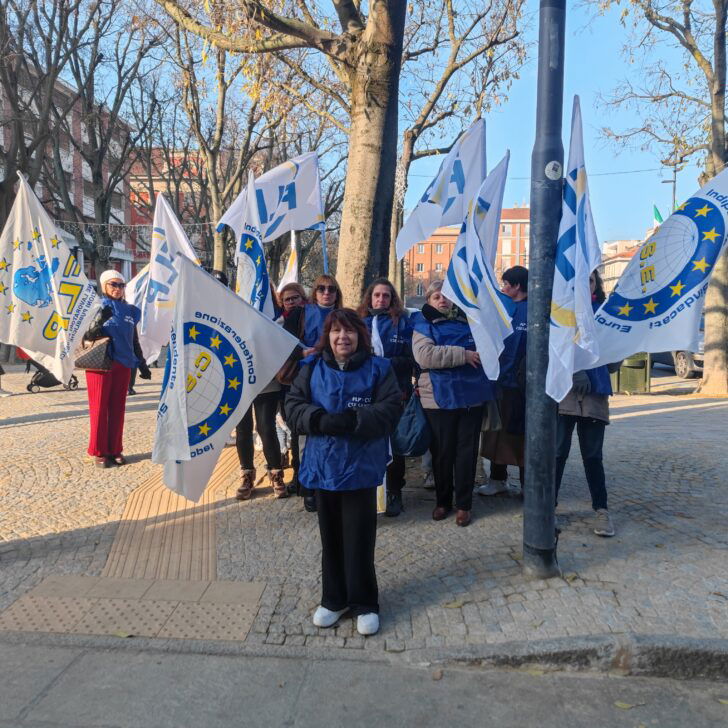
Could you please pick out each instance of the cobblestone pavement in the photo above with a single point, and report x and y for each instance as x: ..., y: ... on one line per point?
x: 440, y: 586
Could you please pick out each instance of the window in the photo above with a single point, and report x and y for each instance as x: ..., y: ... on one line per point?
x: 420, y: 268
x: 421, y: 248
x: 420, y: 289
x: 438, y: 248
x: 506, y: 229
x: 506, y: 247
x: 438, y: 267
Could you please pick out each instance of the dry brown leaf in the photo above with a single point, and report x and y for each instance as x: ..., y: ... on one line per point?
x: 437, y: 675
x: 626, y: 706
x: 723, y: 701
x: 455, y: 604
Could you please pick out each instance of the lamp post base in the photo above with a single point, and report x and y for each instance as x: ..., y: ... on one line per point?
x: 540, y: 563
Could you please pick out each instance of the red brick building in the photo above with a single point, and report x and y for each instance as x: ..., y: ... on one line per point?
x: 427, y: 261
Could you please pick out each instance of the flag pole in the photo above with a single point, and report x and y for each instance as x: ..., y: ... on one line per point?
x: 547, y: 161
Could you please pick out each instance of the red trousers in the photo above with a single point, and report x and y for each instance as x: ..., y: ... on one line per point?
x: 106, y: 404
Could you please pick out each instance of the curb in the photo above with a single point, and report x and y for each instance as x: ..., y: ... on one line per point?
x: 666, y: 656
x: 682, y: 658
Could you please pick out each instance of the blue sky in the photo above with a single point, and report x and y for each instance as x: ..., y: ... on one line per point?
x: 622, y: 203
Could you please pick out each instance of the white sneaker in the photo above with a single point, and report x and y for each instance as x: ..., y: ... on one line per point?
x: 367, y: 624
x: 493, y: 487
x: 429, y: 483
x: 323, y: 617
x: 603, y: 523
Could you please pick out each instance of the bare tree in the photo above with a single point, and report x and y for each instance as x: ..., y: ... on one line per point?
x: 37, y: 38
x: 365, y: 56
x: 685, y: 115
x: 460, y: 60
x: 106, y: 71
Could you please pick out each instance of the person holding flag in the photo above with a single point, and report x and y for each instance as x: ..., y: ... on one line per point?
x: 506, y: 446
x: 388, y: 323
x: 107, y: 389
x: 453, y: 388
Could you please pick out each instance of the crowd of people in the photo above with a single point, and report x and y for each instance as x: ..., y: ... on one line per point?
x: 341, y: 394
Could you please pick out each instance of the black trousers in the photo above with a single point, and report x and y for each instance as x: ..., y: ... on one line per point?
x: 265, y: 406
x: 500, y: 472
x: 454, y: 448
x: 395, y: 474
x: 348, y: 526
x: 591, y: 441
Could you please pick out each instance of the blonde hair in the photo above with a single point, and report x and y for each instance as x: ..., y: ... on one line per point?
x: 434, y: 287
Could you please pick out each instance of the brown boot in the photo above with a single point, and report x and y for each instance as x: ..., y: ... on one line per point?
x: 245, y: 491
x: 276, y: 480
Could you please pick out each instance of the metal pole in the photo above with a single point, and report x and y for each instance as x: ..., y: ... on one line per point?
x: 547, y: 161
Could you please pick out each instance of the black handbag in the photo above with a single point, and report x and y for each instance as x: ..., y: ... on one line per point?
x: 94, y: 356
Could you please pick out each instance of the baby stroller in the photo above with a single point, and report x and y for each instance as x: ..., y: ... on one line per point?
x: 44, y: 378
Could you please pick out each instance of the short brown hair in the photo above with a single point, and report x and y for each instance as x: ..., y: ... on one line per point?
x: 346, y: 318
x: 326, y: 278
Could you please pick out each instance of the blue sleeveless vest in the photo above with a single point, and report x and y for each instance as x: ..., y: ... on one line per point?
x: 344, y: 462
x: 514, y: 347
x: 315, y: 316
x: 395, y: 342
x: 456, y: 387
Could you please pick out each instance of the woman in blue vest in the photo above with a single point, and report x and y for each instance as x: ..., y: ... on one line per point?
x: 107, y: 389
x: 586, y: 408
x: 327, y: 297
x: 347, y: 403
x: 453, y: 389
x: 389, y: 326
x: 505, y: 446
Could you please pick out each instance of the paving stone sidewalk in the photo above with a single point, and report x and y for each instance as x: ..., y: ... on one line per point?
x: 440, y: 586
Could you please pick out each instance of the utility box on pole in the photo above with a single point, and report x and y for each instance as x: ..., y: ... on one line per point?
x: 547, y: 164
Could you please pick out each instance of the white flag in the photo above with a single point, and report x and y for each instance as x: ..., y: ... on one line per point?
x: 658, y: 301
x: 252, y: 279
x: 169, y: 243
x: 290, y: 274
x: 572, y: 334
x: 46, y: 301
x: 446, y: 199
x: 470, y: 281
x: 223, y: 353
x: 288, y: 198
x: 134, y: 294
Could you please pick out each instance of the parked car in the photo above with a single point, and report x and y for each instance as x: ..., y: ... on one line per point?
x: 687, y: 364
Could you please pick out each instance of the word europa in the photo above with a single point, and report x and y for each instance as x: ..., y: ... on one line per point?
x: 247, y: 354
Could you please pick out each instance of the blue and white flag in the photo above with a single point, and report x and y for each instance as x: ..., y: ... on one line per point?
x: 252, y: 279
x: 470, y: 281
x: 290, y: 274
x: 659, y: 299
x: 572, y: 335
x: 46, y: 301
x: 223, y: 353
x: 288, y: 198
x: 447, y: 197
x: 169, y: 243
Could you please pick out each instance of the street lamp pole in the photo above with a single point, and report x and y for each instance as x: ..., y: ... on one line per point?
x: 547, y: 161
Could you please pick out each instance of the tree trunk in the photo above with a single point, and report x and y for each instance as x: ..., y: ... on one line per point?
x: 395, y: 266
x: 715, y: 366
x: 367, y: 209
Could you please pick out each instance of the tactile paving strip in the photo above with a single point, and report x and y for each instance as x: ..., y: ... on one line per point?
x: 127, y: 616
x: 44, y: 614
x: 209, y: 621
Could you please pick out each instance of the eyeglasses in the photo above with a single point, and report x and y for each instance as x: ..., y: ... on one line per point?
x: 116, y: 284
x: 325, y: 289
x: 292, y: 299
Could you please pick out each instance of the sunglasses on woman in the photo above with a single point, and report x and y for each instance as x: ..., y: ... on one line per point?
x: 292, y: 299
x: 325, y: 289
x: 116, y: 284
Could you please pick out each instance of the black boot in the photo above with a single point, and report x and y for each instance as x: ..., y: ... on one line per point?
x: 394, y: 504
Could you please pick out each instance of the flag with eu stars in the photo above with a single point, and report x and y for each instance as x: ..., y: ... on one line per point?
x: 470, y: 281
x: 46, y: 301
x: 572, y: 330
x: 659, y: 298
x: 222, y: 354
